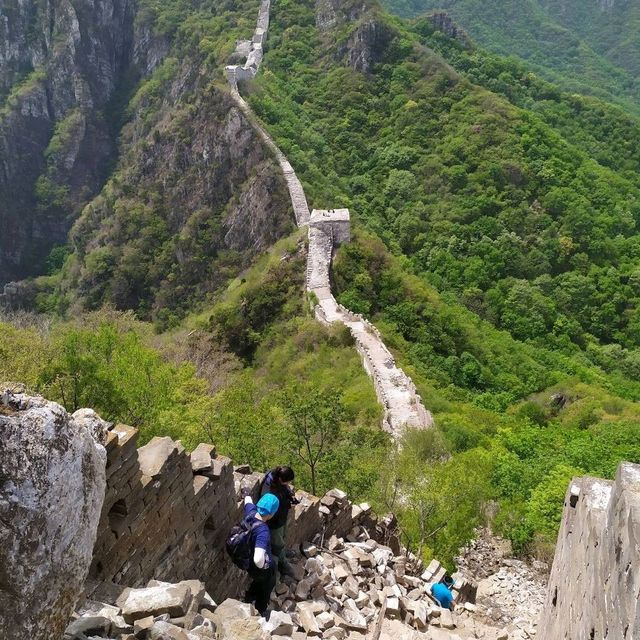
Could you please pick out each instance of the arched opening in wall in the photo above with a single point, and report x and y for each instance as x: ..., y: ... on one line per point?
x: 592, y: 635
x: 117, y: 516
x: 555, y: 597
x: 209, y: 529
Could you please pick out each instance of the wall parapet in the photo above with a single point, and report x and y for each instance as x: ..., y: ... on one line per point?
x: 167, y: 513
x: 594, y: 586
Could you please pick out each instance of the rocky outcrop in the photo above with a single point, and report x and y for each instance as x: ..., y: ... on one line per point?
x: 594, y: 586
x: 52, y: 470
x: 201, y: 185
x: 61, y: 65
x: 443, y: 22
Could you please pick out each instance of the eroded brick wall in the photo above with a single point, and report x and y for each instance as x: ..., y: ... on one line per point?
x: 594, y: 587
x: 167, y: 514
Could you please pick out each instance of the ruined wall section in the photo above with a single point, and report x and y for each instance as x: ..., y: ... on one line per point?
x: 167, y: 514
x: 594, y: 587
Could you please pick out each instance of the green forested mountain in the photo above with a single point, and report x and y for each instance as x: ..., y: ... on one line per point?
x: 495, y: 246
x: 589, y: 46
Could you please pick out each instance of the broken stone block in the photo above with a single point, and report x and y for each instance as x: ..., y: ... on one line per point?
x: 428, y: 573
x: 317, y: 592
x: 393, y: 607
x: 341, y: 572
x: 362, y: 600
x: 446, y: 619
x: 334, y: 543
x: 202, y: 459
x: 351, y: 587
x: 324, y: 620
x: 335, y: 633
x: 203, y: 631
x: 307, y: 619
x: 279, y: 624
x: 303, y: 589
x: 313, y: 565
x: 140, y: 603
x: 351, y: 620
x: 166, y: 631
x: 141, y: 626
x: 87, y: 625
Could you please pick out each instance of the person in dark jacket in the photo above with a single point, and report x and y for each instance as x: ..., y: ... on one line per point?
x: 263, y: 567
x: 278, y: 482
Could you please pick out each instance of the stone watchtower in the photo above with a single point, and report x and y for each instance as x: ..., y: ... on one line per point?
x: 335, y: 223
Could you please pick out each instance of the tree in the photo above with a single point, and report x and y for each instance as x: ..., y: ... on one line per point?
x: 312, y: 426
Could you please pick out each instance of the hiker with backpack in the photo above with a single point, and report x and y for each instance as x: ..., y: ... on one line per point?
x: 277, y: 483
x: 249, y: 545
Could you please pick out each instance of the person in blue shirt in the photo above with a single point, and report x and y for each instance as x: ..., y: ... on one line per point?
x: 263, y: 567
x: 442, y: 593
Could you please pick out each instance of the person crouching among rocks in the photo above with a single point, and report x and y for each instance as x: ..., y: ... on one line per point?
x: 262, y: 569
x: 277, y: 483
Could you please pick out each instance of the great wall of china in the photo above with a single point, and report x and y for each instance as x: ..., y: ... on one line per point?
x: 396, y: 392
x: 128, y: 517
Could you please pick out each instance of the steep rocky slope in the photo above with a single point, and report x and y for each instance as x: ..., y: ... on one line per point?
x: 61, y: 64
x: 589, y: 46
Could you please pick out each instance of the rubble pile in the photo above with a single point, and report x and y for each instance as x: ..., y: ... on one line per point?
x: 161, y: 610
x: 513, y: 597
x: 510, y: 592
x: 342, y: 589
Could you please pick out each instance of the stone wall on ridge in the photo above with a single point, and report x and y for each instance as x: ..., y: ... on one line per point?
x: 594, y: 587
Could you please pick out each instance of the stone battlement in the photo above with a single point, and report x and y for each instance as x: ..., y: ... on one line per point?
x: 167, y: 513
x: 334, y: 222
x: 594, y: 586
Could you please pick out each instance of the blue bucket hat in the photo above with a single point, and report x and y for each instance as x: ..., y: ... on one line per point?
x: 268, y: 504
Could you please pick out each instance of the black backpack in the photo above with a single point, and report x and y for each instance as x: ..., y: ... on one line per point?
x: 239, y: 545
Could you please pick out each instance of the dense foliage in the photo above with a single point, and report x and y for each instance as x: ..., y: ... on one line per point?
x: 584, y: 45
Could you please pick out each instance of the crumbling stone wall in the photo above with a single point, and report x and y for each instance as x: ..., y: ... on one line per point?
x: 395, y: 391
x: 594, y: 587
x: 167, y: 514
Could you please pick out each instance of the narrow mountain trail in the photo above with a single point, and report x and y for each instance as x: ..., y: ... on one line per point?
x: 396, y: 392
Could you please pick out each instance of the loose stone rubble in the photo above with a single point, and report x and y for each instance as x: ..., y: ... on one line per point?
x: 510, y: 593
x: 340, y: 588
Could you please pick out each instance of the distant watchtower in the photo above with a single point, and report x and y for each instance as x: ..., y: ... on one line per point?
x: 336, y: 223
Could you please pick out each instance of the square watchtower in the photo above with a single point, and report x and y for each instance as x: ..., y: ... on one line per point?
x: 334, y: 222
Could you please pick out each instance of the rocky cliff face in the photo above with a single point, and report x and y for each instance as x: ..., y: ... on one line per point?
x: 61, y: 63
x: 53, y: 481
x: 368, y: 37
x: 196, y: 197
